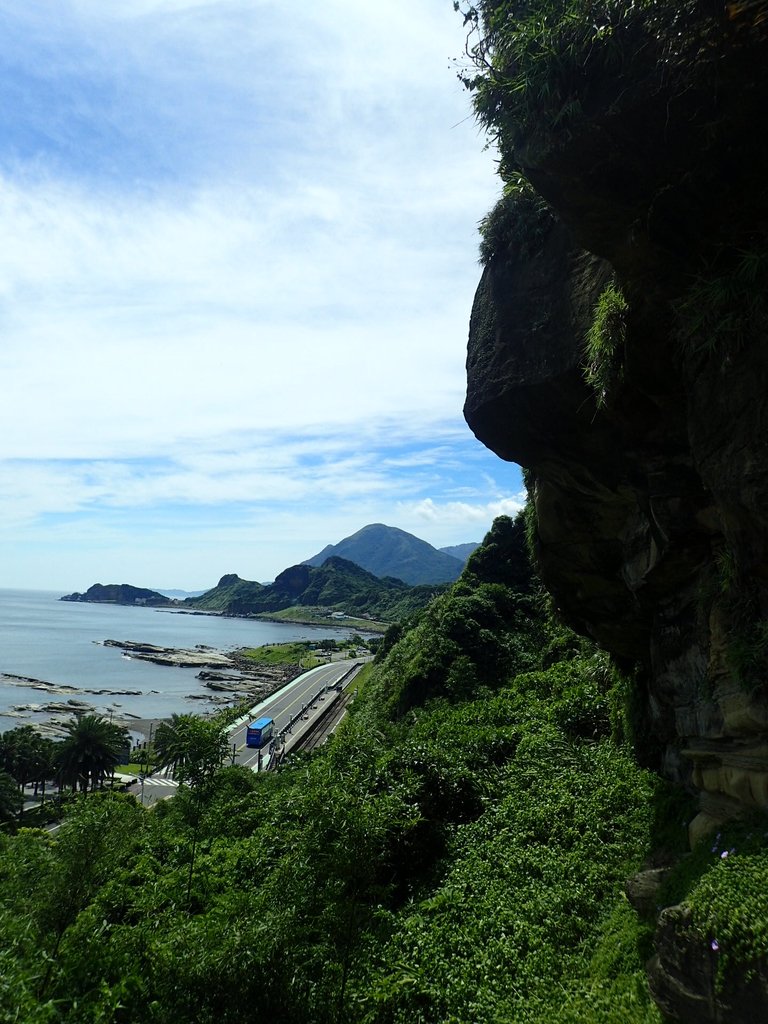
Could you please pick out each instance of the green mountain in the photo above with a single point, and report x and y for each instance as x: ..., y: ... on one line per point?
x: 387, y: 551
x: 461, y: 551
x: 337, y: 585
x: 119, y: 593
x: 229, y: 590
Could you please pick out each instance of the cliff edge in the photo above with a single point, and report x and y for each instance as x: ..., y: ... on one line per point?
x: 618, y: 351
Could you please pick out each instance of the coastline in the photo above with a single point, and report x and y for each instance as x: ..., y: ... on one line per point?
x: 374, y: 627
x: 55, y: 662
x: 225, y: 680
x: 361, y: 626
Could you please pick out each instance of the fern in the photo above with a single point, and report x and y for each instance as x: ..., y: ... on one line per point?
x: 605, y: 341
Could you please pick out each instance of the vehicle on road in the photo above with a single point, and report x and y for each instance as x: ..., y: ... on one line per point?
x: 259, y: 732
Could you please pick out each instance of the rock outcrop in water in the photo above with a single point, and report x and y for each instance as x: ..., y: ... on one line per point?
x: 120, y: 593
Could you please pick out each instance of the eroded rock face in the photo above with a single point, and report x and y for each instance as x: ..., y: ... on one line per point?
x: 689, y: 983
x: 651, y: 499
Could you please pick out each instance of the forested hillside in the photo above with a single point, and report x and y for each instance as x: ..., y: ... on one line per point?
x: 458, y: 852
x: 336, y: 585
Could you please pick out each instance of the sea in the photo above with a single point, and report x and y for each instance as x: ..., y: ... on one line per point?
x: 61, y: 642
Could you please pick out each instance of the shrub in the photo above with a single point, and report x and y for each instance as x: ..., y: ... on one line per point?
x: 605, y: 342
x: 519, y: 222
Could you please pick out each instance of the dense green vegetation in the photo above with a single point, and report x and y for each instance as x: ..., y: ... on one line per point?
x: 458, y: 852
x: 336, y: 585
x: 539, y: 68
x: 304, y: 653
x: 605, y: 342
x: 229, y: 589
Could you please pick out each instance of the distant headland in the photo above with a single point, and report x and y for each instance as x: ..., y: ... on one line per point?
x: 120, y: 593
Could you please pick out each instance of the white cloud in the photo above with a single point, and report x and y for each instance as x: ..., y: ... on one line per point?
x: 129, y: 325
x: 239, y: 267
x: 450, y: 513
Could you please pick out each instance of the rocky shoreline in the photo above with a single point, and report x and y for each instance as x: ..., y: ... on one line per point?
x: 227, y: 679
x: 200, y: 656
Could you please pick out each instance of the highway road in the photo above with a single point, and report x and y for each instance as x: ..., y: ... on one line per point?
x: 283, y: 706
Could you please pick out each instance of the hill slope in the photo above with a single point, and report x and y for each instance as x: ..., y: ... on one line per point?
x: 337, y: 585
x: 387, y: 551
x: 230, y: 589
x: 461, y: 551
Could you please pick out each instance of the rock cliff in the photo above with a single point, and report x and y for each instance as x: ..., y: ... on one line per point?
x: 651, y: 489
x: 618, y: 351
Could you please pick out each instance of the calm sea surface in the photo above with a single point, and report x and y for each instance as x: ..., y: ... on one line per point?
x: 61, y: 642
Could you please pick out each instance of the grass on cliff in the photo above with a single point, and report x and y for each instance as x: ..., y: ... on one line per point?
x: 519, y: 219
x: 605, y: 343
x: 725, y: 305
x: 537, y: 68
x: 724, y: 882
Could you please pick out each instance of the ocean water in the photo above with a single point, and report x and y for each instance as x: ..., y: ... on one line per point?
x: 61, y: 642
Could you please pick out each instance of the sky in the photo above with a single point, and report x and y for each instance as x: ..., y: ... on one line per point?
x: 238, y: 261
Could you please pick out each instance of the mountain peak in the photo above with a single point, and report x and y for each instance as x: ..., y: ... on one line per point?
x: 389, y: 551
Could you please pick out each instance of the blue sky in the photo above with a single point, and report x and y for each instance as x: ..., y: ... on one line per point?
x: 239, y: 254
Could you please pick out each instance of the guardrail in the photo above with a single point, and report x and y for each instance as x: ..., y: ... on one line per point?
x: 281, y: 743
x: 338, y: 686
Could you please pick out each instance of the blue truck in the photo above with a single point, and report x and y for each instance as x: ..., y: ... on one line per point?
x: 259, y: 732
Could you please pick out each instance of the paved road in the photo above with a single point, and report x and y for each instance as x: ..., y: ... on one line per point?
x: 281, y: 706
x: 284, y: 705
x: 154, y: 788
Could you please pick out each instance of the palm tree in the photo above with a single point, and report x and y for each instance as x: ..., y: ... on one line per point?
x: 194, y: 747
x: 90, y: 751
x: 45, y: 766
x: 20, y: 753
x: 26, y: 756
x: 171, y: 742
x: 11, y: 800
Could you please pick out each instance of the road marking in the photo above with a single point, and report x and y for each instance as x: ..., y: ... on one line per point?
x: 303, y: 694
